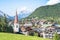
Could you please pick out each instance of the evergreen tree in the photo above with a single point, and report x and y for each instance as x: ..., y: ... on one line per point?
x: 3, y: 23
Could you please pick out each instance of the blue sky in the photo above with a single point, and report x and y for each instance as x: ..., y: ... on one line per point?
x: 10, y: 6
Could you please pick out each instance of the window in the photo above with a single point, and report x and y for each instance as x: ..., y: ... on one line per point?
x: 16, y: 26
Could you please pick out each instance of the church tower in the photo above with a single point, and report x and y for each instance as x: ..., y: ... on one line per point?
x: 16, y: 24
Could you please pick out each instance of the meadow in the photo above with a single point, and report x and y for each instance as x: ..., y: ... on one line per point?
x: 10, y: 36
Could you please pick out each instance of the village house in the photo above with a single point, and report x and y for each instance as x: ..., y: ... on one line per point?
x: 26, y: 28
x: 47, y: 29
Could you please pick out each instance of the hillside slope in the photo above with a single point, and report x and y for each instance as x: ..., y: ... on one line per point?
x: 47, y: 11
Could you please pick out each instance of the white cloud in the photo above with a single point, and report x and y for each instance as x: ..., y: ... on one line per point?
x: 52, y: 2
x: 21, y: 9
x: 24, y: 9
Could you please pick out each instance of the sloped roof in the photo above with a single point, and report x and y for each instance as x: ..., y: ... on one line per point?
x: 28, y: 24
x: 46, y: 25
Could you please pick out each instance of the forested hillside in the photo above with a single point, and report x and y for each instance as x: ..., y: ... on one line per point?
x: 47, y: 11
x: 50, y: 12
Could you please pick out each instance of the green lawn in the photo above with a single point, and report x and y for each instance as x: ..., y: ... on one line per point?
x: 9, y: 36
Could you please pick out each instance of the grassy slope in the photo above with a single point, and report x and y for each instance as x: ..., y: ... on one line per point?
x: 9, y: 36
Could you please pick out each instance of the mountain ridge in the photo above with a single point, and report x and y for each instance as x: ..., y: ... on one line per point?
x: 46, y: 11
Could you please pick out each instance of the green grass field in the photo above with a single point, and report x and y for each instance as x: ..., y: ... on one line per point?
x: 10, y: 36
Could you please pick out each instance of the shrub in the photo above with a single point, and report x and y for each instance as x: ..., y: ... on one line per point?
x: 56, y: 37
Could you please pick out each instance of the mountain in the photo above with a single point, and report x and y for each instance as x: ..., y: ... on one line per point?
x: 23, y: 14
x: 52, y: 11
x: 1, y: 13
x: 7, y: 16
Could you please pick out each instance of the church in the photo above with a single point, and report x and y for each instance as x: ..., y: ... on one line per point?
x: 16, y: 24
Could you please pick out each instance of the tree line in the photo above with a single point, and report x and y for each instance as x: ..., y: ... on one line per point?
x: 4, y: 24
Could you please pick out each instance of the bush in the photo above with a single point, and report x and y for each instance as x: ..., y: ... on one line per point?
x: 0, y: 29
x: 6, y: 29
x: 56, y: 37
x: 9, y: 29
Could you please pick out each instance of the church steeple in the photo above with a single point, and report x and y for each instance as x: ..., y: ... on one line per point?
x: 16, y: 24
x: 16, y: 18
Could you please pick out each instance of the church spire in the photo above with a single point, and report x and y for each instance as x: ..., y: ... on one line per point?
x: 16, y: 18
